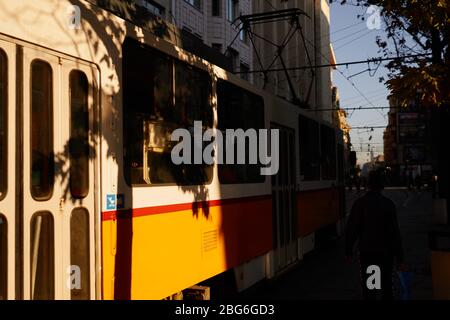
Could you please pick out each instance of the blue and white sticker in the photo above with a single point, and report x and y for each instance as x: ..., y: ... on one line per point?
x: 111, y: 202
x: 115, y: 201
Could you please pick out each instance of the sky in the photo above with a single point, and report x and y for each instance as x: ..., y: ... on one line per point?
x: 353, y: 40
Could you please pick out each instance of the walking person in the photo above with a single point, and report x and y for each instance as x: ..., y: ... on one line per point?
x: 373, y: 224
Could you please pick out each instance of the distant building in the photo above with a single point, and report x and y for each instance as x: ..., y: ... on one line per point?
x: 339, y: 120
x: 407, y: 141
x: 339, y: 116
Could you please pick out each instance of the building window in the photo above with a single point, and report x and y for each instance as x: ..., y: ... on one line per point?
x: 234, y: 56
x: 193, y: 36
x: 194, y: 3
x: 243, y: 36
x: 217, y: 46
x: 216, y: 6
x: 42, y: 162
x: 79, y: 135
x: 244, y: 72
x: 152, y: 7
x: 232, y: 10
x: 3, y: 123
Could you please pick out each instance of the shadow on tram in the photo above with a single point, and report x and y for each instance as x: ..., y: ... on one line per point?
x: 105, y: 34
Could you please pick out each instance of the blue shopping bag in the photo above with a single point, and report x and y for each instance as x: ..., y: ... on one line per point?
x: 405, y: 278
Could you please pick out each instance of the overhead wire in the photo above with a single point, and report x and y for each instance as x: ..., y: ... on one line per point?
x: 358, y: 100
x: 348, y: 63
x: 345, y: 37
x: 353, y: 40
x: 342, y: 74
x: 367, y: 93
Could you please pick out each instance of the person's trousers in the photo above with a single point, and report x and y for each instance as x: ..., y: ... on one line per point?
x: 376, y: 276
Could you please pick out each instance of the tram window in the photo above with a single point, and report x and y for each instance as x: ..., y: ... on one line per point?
x: 309, y: 149
x: 79, y: 135
x: 3, y: 257
x: 42, y: 256
x: 42, y: 162
x: 148, y: 88
x: 239, y: 109
x: 3, y: 123
x: 328, y: 146
x: 192, y: 94
x: 79, y: 252
x: 153, y: 109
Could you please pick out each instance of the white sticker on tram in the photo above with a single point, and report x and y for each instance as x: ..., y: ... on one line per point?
x: 235, y: 140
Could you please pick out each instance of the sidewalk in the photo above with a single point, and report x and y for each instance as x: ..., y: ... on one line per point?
x: 323, y: 274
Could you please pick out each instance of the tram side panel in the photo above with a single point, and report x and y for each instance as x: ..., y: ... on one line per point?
x: 319, y: 194
x: 161, y: 234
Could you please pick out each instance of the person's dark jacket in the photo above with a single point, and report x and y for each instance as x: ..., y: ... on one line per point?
x: 373, y: 223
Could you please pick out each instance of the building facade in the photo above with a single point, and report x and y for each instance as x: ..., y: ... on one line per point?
x: 312, y: 87
x: 390, y: 139
x: 407, y: 142
x: 339, y: 120
x: 211, y: 22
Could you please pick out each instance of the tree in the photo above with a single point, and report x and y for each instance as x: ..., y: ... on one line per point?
x: 416, y: 27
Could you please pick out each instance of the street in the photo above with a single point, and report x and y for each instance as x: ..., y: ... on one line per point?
x: 325, y: 275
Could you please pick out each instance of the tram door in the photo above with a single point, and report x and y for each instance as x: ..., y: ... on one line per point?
x: 51, y: 162
x: 284, y: 205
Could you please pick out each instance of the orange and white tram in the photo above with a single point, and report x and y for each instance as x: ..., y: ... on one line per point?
x: 91, y: 207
